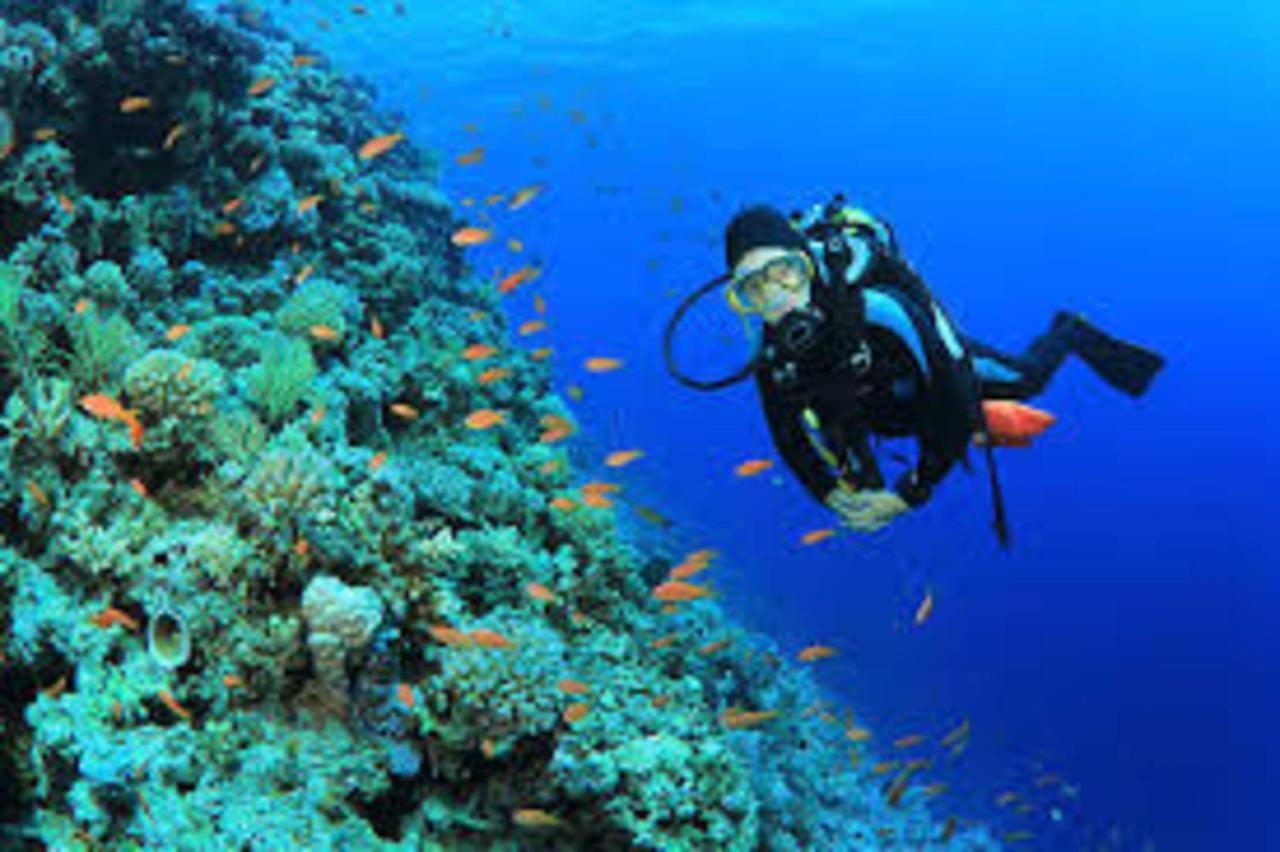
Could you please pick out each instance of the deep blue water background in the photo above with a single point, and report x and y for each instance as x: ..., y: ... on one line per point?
x: 1119, y: 161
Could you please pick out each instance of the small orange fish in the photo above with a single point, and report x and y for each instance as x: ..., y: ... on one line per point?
x: 135, y: 428
x: 103, y: 407
x: 308, y: 203
x: 685, y: 570
x: 486, y: 638
x: 449, y: 636
x: 176, y: 332
x: 139, y: 487
x: 405, y: 695
x: 596, y: 501
x: 602, y: 365
x: 925, y: 609
x: 816, y: 652
x: 660, y: 701
x: 664, y: 641
x: 303, y: 274
x: 304, y: 60
x: 570, y: 686
x: 67, y: 205
x: 470, y: 158
x: 524, y: 196
x: 534, y: 818
x: 56, y: 688
x: 82, y: 306
x: 110, y: 617
x: 600, y: 487
x: 376, y: 329
x: 324, y: 332
x: 37, y: 493
x: 678, y: 590
x: 492, y: 199
x: 302, y: 547
x: 257, y: 163
x: 404, y: 411
x: 378, y: 460
x: 532, y: 327
x: 540, y: 354
x: 44, y: 134
x: 884, y: 767
x: 171, y: 138
x: 477, y: 316
x: 231, y: 681
x: 712, y: 647
x: 135, y: 103
x: 471, y: 236
x: 539, y: 304
x: 515, y: 245
x: 261, y: 86
x: 575, y: 711
x: 908, y: 741
x: 172, y: 703
x: 484, y: 418
x: 857, y: 734
x: 735, y: 719
x: 539, y: 592
x: 550, y: 466
x: 958, y: 733
x: 563, y: 504
x: 317, y: 415
x: 478, y: 351
x: 493, y: 374
x: 232, y: 206
x: 379, y: 145
x: 224, y: 229
x: 487, y: 748
x: 752, y: 467
x: 815, y: 536
x: 1013, y: 424
x: 621, y: 458
x: 515, y: 279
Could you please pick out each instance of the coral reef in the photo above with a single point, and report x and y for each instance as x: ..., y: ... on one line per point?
x: 260, y: 585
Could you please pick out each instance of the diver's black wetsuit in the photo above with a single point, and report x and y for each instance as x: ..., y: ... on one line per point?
x: 922, y: 378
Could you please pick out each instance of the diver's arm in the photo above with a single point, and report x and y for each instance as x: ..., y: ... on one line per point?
x: 944, y: 438
x: 792, y: 442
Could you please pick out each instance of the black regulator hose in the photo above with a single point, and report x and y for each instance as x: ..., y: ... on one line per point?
x: 669, y: 334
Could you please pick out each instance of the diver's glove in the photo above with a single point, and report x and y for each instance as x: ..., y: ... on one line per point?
x: 865, y: 511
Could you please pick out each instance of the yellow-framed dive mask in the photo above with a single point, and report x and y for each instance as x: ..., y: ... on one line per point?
x: 748, y: 290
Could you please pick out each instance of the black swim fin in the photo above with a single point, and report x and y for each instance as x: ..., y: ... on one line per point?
x: 1125, y: 366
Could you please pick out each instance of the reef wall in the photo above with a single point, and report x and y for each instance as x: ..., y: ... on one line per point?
x: 265, y: 581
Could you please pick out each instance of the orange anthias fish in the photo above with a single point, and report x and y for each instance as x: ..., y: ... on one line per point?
x: 814, y: 653
x: 172, y: 703
x: 908, y: 741
x: 135, y: 103
x: 1013, y: 424
x: 478, y: 351
x: 532, y: 327
x: 602, y: 365
x: 687, y: 569
x: 576, y: 711
x: 539, y: 592
x: 569, y: 686
x: 493, y: 374
x: 515, y: 279
x: 620, y: 458
x: 925, y: 609
x: 486, y: 638
x: 405, y: 695
x: 324, y: 332
x: 450, y: 636
x: 484, y: 418
x: 752, y: 467
x: 177, y: 332
x: 304, y: 60
x: 534, y: 818
x: 471, y: 236
x: 736, y: 719
x: 470, y: 158
x: 678, y: 590
x: 261, y: 86
x: 103, y: 407
x: 404, y: 411
x: 110, y: 617
x: 379, y: 145
x: 524, y: 196
x: 815, y: 536
x: 308, y: 203
x: 171, y: 138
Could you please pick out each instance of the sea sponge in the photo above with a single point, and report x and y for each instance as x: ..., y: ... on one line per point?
x: 341, y: 620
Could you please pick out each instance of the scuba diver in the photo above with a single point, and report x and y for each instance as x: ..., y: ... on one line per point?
x: 852, y: 346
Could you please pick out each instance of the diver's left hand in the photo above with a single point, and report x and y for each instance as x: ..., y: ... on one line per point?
x: 868, y: 511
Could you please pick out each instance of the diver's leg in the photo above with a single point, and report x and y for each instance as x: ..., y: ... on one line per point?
x: 1122, y: 365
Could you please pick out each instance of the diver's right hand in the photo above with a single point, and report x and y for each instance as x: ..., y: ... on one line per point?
x: 865, y: 511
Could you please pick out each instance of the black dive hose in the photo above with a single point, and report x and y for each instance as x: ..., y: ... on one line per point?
x: 669, y: 333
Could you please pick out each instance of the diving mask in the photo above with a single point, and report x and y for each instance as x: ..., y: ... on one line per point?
x: 764, y: 288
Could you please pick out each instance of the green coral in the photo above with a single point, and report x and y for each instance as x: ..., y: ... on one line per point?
x: 282, y: 376
x: 166, y: 383
x: 318, y: 302
x: 101, y: 344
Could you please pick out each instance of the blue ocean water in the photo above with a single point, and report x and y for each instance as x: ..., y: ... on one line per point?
x: 1117, y: 159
